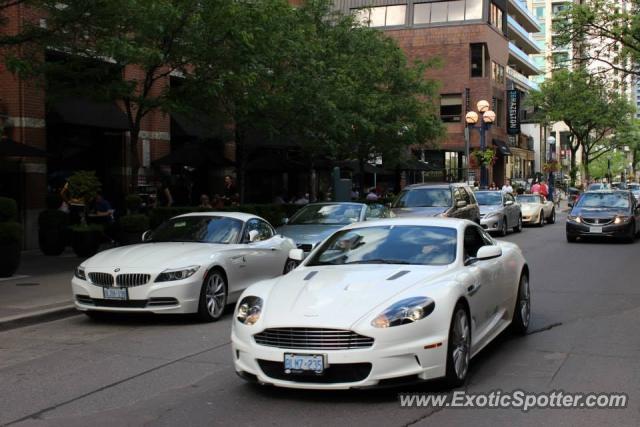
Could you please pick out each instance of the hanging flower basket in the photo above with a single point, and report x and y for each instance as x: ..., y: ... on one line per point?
x: 551, y: 166
x: 484, y: 157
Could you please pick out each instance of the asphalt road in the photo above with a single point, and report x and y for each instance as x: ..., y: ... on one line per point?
x: 171, y: 371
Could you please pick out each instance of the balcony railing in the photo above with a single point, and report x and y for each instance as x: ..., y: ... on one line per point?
x: 522, y: 13
x: 522, y: 79
x: 523, y: 59
x: 517, y: 31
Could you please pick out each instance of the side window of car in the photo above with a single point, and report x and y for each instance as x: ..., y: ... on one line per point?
x: 472, y: 196
x: 488, y: 240
x: 265, y: 231
x: 473, y: 241
x: 457, y: 196
x: 508, y: 197
x: 465, y: 195
x: 375, y: 211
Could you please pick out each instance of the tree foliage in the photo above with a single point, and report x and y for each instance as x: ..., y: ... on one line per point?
x: 606, y: 32
x: 592, y: 111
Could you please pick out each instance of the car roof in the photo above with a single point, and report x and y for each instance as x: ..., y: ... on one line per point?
x: 242, y: 216
x: 456, y: 223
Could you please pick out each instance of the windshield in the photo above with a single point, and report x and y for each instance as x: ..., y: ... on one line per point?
x: 202, y: 229
x: 529, y: 199
x: 594, y: 187
x: 490, y: 198
x: 424, y: 197
x: 604, y: 200
x: 338, y: 214
x: 393, y: 244
x: 633, y: 187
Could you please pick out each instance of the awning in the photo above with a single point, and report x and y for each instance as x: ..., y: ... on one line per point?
x: 10, y: 148
x: 195, y: 155
x: 502, y: 147
x: 196, y: 125
x: 86, y: 112
x: 354, y: 166
x: 413, y: 164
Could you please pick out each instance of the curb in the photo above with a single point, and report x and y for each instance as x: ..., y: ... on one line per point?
x: 21, y: 320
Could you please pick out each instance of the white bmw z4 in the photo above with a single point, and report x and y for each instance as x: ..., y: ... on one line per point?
x: 382, y: 303
x: 193, y: 263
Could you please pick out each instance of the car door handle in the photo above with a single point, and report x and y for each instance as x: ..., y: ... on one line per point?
x: 472, y: 289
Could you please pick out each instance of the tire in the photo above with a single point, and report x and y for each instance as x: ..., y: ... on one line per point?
x: 503, y: 229
x: 289, y: 265
x: 552, y: 218
x: 522, y: 310
x: 571, y: 239
x: 541, y: 221
x: 213, y: 296
x: 459, y: 343
x: 631, y: 234
x: 518, y: 228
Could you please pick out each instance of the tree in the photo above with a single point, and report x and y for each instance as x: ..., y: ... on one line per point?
x: 95, y: 41
x: 614, y: 162
x: 591, y: 110
x: 604, y: 31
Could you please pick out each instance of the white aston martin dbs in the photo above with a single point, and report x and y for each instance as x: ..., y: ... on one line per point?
x: 193, y: 263
x: 382, y: 303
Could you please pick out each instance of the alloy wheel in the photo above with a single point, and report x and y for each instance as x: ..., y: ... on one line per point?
x: 289, y: 266
x: 462, y: 343
x: 215, y: 295
x: 525, y: 301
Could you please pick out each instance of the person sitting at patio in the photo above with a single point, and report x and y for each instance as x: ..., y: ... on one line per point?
x: 371, y: 195
x: 103, y: 207
x: 204, y: 202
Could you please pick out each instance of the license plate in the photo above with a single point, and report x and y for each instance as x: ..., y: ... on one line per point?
x: 115, y: 293
x: 595, y: 229
x: 297, y: 363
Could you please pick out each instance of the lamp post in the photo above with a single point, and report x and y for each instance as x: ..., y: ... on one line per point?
x: 485, y: 117
x: 551, y: 142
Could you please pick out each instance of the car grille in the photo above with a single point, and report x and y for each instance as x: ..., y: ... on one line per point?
x: 305, y: 247
x: 312, y: 339
x: 132, y: 303
x: 597, y: 221
x: 335, y: 373
x: 106, y: 280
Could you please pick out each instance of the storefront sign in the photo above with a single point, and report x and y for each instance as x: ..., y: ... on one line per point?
x: 513, y: 112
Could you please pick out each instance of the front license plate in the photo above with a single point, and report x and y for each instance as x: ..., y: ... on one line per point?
x: 595, y: 229
x: 115, y: 293
x: 298, y: 363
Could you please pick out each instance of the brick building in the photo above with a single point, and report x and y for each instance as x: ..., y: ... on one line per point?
x: 484, y: 46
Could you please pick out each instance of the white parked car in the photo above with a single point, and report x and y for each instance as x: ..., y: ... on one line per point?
x: 380, y: 303
x: 193, y: 263
x: 536, y: 209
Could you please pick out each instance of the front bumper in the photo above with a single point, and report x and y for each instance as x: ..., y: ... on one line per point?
x: 531, y: 218
x: 376, y: 366
x: 177, y: 297
x: 491, y: 223
x: 575, y: 229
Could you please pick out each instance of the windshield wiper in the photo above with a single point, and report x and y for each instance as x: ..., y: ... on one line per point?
x: 379, y: 261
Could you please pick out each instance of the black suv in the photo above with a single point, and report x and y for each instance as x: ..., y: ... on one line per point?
x: 445, y: 200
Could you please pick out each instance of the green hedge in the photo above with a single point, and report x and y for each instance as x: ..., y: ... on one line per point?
x: 134, y: 223
x: 133, y: 202
x: 272, y: 213
x: 85, y: 228
x: 10, y: 232
x: 53, y: 219
x: 8, y: 209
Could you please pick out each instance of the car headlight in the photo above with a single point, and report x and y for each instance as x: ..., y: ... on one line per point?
x: 249, y: 310
x: 621, y: 219
x: 177, y: 273
x: 406, y: 311
x: 79, y: 273
x: 574, y: 219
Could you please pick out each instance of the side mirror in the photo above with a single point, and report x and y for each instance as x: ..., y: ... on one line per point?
x: 508, y: 203
x: 285, y: 221
x: 146, y: 235
x: 570, y: 204
x: 461, y: 204
x: 296, y: 254
x: 489, y: 252
x: 253, y: 235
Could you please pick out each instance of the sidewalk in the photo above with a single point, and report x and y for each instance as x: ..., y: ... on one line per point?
x: 40, y: 288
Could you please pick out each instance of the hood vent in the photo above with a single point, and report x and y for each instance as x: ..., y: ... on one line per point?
x: 398, y: 275
x: 310, y: 275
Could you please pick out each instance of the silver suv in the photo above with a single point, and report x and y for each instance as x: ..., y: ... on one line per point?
x: 445, y: 200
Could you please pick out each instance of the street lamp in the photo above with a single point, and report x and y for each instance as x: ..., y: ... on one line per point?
x: 485, y: 118
x: 551, y: 142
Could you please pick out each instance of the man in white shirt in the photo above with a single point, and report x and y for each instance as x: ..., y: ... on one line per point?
x: 507, y: 188
x: 372, y: 196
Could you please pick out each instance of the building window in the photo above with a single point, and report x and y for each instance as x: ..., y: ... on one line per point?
x: 451, y: 108
x: 500, y: 113
x: 382, y: 16
x: 447, y: 11
x: 560, y: 59
x: 497, y: 72
x: 478, y: 59
x: 539, y: 12
x: 495, y: 17
x: 558, y: 8
x: 540, y: 61
x: 454, y: 164
x: 543, y: 29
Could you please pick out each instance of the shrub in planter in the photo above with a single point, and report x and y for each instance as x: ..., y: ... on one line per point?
x: 85, y: 239
x: 134, y: 203
x: 131, y: 228
x: 8, y: 209
x: 53, y: 231
x: 10, y: 240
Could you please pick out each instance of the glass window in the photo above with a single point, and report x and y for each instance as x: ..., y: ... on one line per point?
x: 539, y: 12
x: 327, y: 214
x: 422, y: 13
x: 362, y: 16
x: 473, y: 241
x: 377, y: 17
x: 604, y: 200
x: 456, y: 11
x: 495, y: 17
x: 477, y: 60
x: 264, y: 230
x: 396, y: 15
x: 489, y: 198
x: 500, y: 114
x: 543, y: 28
x: 424, y: 198
x: 375, y: 211
x: 451, y: 108
x: 202, y: 229
x: 391, y: 244
x: 473, y: 9
x: 439, y: 12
